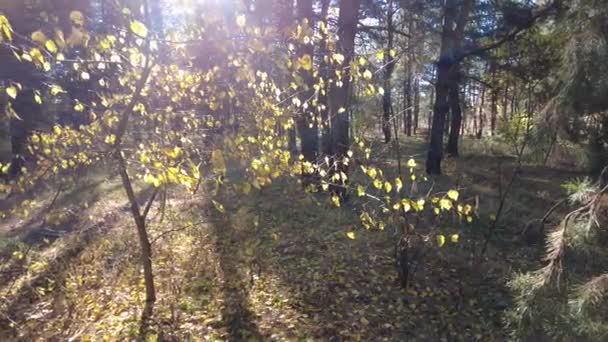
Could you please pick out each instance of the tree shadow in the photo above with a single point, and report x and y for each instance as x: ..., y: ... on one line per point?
x: 78, y: 232
x: 19, y: 303
x: 236, y: 281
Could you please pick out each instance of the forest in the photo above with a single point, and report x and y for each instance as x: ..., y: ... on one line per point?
x: 303, y: 170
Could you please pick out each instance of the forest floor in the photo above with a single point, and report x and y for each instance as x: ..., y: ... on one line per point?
x: 277, y: 265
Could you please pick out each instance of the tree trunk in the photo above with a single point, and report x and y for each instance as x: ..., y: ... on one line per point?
x: 408, y: 100
x: 447, y: 77
x: 493, y: 99
x: 306, y: 120
x: 454, y: 99
x: 416, y: 104
x: 481, y: 120
x: 505, y: 103
x: 388, y: 73
x: 144, y: 244
x: 347, y: 29
x: 324, y: 70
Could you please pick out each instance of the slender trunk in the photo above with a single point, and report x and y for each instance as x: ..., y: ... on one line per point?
x: 388, y: 72
x: 408, y: 81
x: 416, y: 104
x: 493, y: 99
x: 408, y: 101
x: 430, y: 111
x: 482, y: 104
x: 144, y: 244
x: 454, y: 99
x: 505, y: 102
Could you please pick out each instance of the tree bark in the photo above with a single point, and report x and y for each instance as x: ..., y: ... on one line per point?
x: 416, y: 104
x: 454, y: 99
x: 324, y: 69
x: 481, y: 120
x: 493, y: 99
x: 388, y: 73
x: 347, y: 29
x: 306, y: 120
x: 451, y: 42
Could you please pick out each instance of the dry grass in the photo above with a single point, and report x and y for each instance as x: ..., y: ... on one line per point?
x: 277, y: 266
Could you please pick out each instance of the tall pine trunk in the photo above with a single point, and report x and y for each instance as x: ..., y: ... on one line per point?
x: 339, y: 111
x: 306, y: 120
x: 389, y: 61
x: 324, y: 69
x: 447, y: 77
x: 416, y: 104
x: 454, y: 99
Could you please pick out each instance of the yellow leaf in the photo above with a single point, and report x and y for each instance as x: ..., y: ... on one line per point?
x: 38, y: 37
x: 378, y: 184
x: 388, y: 187
x: 392, y: 53
x: 241, y: 21
x: 50, y: 45
x: 445, y: 204
x: 55, y: 90
x: 351, y: 235
x: 406, y: 205
x: 440, y: 240
x: 335, y: 200
x: 218, y: 206
x: 139, y: 28
x: 338, y: 58
x: 305, y: 62
x: 37, y: 98
x: 367, y: 75
x: 380, y: 55
x: 453, y: 194
x: 360, y: 191
x: 79, y: 107
x: 362, y: 61
x: 12, y: 92
x: 411, y: 163
x: 6, y: 27
x: 469, y: 219
x: 371, y: 172
x: 218, y: 163
x: 110, y: 139
x: 454, y: 238
x: 398, y: 184
x: 77, y: 18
